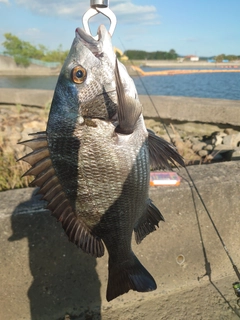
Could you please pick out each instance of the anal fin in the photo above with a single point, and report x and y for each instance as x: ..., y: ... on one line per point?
x: 148, y: 222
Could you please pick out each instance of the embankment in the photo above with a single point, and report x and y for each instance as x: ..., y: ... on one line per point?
x: 171, y: 108
x: 9, y: 67
x: 44, y: 276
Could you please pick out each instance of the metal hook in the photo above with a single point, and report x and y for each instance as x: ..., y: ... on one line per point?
x: 99, y: 6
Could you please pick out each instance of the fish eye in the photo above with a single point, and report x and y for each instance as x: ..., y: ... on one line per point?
x: 79, y: 74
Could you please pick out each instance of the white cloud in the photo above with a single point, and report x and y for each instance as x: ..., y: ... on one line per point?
x: 125, y: 10
x: 4, y: 1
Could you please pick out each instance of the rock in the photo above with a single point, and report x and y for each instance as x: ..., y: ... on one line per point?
x: 194, y: 140
x: 188, y: 143
x: 228, y: 131
x: 203, y: 153
x: 217, y: 138
x: 34, y: 126
x: 232, y: 140
x: 179, y: 145
x: 208, y: 147
x: 176, y: 139
x: 198, y: 146
x: 158, y: 130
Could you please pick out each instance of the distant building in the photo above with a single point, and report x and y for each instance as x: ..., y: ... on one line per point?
x: 192, y: 58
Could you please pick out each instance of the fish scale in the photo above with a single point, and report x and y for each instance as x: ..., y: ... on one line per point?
x: 92, y: 164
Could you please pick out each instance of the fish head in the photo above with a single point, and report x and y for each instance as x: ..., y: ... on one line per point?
x: 86, y: 85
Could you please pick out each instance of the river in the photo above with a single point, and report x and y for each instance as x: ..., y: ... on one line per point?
x: 206, y: 85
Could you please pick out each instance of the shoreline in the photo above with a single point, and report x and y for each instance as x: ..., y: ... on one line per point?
x: 163, y: 63
x: 8, y: 66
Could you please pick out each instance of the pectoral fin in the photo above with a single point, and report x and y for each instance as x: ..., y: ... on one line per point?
x: 53, y: 193
x: 148, y: 222
x: 129, y: 109
x: 161, y: 152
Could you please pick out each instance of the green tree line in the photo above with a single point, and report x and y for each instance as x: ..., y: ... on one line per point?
x: 229, y: 57
x: 156, y: 55
x: 23, y: 51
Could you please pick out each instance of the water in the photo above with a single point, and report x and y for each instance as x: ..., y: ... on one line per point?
x: 29, y: 82
x: 205, y: 85
x: 208, y: 85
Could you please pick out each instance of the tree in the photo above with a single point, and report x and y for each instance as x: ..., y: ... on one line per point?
x: 23, y: 51
x: 56, y: 55
x: 172, y: 54
x: 220, y: 57
x: 155, y: 55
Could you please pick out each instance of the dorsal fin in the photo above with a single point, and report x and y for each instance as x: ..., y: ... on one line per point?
x: 161, y: 151
x: 129, y: 109
x: 58, y: 203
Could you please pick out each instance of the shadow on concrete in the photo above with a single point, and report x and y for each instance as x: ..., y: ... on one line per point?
x: 206, y: 260
x: 65, y: 283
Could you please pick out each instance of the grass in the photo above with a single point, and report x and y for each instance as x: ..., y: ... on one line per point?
x: 11, y: 172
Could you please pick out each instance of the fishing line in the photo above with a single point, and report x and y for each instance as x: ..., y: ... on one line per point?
x: 191, y: 179
x: 207, y: 262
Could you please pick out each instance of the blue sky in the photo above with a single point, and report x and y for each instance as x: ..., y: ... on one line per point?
x: 203, y: 27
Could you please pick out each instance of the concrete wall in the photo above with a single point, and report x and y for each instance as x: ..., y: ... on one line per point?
x: 9, y: 67
x: 218, y: 111
x: 192, y: 109
x: 28, y: 97
x: 44, y: 276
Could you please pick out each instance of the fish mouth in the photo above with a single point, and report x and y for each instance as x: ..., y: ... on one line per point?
x: 95, y: 46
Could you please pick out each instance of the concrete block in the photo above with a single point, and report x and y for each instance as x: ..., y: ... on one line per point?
x: 232, y: 140
x: 32, y: 97
x: 236, y: 154
x: 192, y: 109
x: 43, y: 276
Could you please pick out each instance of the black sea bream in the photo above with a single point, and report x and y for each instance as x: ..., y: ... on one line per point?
x: 93, y: 162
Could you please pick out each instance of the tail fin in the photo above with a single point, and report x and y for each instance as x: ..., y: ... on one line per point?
x: 130, y: 275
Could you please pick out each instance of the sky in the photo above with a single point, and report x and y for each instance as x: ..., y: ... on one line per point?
x: 203, y: 27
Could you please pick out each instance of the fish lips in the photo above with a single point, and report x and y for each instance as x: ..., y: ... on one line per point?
x: 100, y: 47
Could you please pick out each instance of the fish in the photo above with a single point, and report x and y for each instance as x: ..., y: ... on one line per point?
x: 92, y: 164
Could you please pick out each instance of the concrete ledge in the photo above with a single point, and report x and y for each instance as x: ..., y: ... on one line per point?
x: 28, y: 97
x: 44, y: 276
x: 215, y: 111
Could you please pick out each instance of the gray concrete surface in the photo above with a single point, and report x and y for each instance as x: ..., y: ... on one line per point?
x: 193, y: 109
x: 218, y: 111
x: 28, y: 97
x: 44, y: 276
